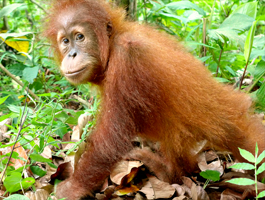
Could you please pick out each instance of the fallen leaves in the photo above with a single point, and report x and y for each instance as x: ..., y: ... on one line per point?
x: 123, y: 169
x: 156, y: 189
x: 128, y: 179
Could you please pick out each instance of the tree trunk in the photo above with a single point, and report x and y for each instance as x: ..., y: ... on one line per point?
x: 5, y: 21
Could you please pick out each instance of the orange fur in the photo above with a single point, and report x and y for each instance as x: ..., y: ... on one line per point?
x: 153, y: 88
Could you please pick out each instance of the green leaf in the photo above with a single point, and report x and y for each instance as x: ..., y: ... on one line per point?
x: 180, y: 5
x: 9, y: 9
x: 52, y: 141
x: 238, y: 22
x: 261, y: 194
x: 259, y: 70
x: 19, y: 109
x: 249, y: 41
x: 245, y: 166
x: 14, y: 182
x: 231, y: 27
x: 61, y: 129
x: 2, y: 100
x: 27, y: 182
x: 247, y: 155
x: 38, y: 171
x: 231, y: 71
x: 30, y: 74
x: 211, y: 174
x: 2, y: 118
x: 261, y: 169
x: 38, y: 124
x: 260, y: 95
x: 223, y: 33
x: 16, y: 197
x: 7, y: 35
x: 15, y: 155
x: 52, y: 165
x: 249, y: 9
x: 261, y: 157
x: 241, y: 181
x: 39, y: 158
x: 17, y: 69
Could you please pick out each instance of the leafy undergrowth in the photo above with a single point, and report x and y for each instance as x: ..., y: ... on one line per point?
x: 129, y: 179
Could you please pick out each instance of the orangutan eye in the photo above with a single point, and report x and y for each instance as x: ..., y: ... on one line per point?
x: 65, y: 41
x: 80, y: 36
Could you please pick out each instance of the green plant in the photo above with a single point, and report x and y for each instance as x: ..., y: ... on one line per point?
x: 256, y: 160
x: 210, y: 175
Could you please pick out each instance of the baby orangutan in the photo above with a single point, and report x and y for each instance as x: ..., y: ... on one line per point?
x: 150, y: 87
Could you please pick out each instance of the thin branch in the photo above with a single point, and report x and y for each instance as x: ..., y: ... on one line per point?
x: 39, y: 6
x: 82, y: 101
x: 32, y: 139
x: 243, y: 76
x: 211, y: 16
x: 145, y: 11
x: 22, y: 121
x: 18, y: 81
x: 29, y: 19
x: 218, y: 66
x: 204, y: 36
x: 256, y: 80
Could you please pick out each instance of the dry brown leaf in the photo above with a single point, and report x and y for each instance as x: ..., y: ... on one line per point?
x: 40, y: 194
x: 4, y: 128
x: 122, y: 169
x: 76, y: 136
x: 138, y: 196
x: 179, y: 189
x: 211, y: 156
x: 117, y: 198
x: 100, y: 196
x: 230, y: 195
x: 75, y: 155
x: 71, y: 159
x: 187, y: 181
x: 17, y: 163
x: 155, y: 189
x: 215, y: 165
x: 127, y: 190
x: 230, y: 175
x: 180, y: 198
x: 2, y: 191
x: 79, y: 152
x: 187, y: 185
x: 109, y: 191
x: 127, y: 185
x: 194, y: 194
x: 47, y: 152
x: 82, y: 122
x: 198, y: 193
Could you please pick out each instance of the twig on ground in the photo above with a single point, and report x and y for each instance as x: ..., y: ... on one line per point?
x: 18, y: 81
x: 22, y: 121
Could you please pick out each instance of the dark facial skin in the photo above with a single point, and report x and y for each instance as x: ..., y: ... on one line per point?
x: 78, y: 46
